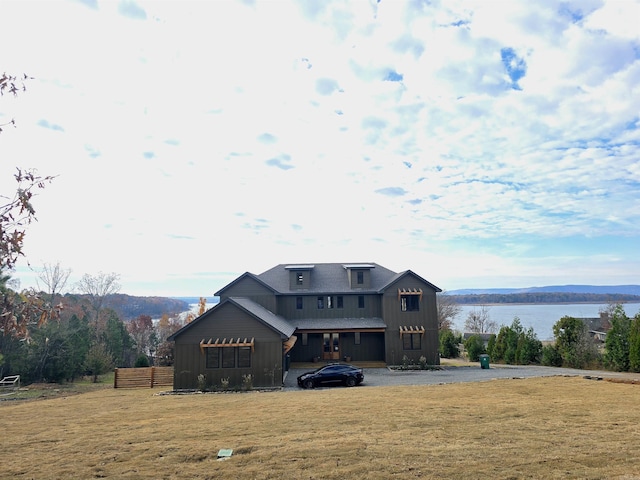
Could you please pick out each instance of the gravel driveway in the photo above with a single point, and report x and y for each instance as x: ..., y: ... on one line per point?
x: 378, y: 377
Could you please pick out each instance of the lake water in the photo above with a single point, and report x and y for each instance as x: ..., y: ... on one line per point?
x: 541, y: 317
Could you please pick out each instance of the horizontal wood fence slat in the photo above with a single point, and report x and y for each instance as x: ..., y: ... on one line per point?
x: 147, y: 377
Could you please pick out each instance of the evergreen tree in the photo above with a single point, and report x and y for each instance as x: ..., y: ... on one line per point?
x: 117, y: 340
x: 617, y: 342
x: 634, y: 344
x: 448, y: 344
x: 573, y: 343
x: 474, y: 347
x: 98, y: 361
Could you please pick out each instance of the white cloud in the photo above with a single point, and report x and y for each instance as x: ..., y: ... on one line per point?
x: 223, y: 136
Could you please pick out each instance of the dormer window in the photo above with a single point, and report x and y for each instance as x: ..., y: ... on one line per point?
x: 359, y: 274
x: 299, y: 276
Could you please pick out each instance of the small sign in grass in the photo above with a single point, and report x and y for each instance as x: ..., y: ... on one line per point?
x: 224, y: 453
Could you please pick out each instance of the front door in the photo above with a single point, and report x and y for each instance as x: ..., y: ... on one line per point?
x: 331, y: 346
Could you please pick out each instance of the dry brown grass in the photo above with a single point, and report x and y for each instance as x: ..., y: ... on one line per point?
x: 536, y: 428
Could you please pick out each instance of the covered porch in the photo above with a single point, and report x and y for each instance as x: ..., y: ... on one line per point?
x: 339, y: 340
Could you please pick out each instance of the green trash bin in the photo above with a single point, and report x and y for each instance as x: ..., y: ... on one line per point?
x: 484, y: 360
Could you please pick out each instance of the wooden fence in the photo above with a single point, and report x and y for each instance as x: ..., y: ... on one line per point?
x: 147, y: 377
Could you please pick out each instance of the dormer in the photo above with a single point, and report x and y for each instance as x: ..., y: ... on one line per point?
x: 359, y: 275
x: 299, y: 276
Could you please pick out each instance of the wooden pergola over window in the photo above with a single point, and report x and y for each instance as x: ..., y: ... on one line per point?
x: 410, y: 291
x: 411, y: 329
x: 231, y: 342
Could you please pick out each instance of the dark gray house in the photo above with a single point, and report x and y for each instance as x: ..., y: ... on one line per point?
x: 304, y: 313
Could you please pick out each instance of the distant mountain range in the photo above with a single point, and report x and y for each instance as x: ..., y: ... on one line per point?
x: 596, y: 289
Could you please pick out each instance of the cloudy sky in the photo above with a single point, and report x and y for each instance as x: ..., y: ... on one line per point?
x: 477, y: 143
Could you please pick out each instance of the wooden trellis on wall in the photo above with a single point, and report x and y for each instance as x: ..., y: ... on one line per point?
x: 231, y: 342
x: 411, y: 329
x: 410, y: 291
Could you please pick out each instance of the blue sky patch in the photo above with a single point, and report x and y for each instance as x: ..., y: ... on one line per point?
x: 393, y: 76
x: 281, y: 162
x: 392, y: 191
x: 515, y: 66
x: 51, y: 126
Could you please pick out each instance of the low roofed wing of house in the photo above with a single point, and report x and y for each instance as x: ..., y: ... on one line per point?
x: 275, y: 322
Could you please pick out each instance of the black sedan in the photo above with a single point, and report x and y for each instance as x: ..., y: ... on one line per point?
x: 333, y: 374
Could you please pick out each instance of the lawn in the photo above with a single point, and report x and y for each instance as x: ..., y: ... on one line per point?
x: 558, y: 427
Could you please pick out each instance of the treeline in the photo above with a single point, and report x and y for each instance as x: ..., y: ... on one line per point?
x: 78, y: 340
x: 543, y: 297
x: 574, y: 346
x: 128, y: 307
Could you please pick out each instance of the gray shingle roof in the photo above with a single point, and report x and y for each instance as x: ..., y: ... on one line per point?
x: 276, y: 322
x: 339, y: 323
x: 325, y: 278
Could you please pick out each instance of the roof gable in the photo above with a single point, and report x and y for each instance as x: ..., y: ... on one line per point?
x: 407, y: 273
x: 244, y: 276
x: 271, y: 320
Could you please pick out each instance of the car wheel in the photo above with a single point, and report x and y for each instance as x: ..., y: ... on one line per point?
x: 351, y: 382
x: 308, y: 383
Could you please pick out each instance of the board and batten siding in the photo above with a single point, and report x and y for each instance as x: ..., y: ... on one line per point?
x: 426, y: 317
x: 228, y: 321
x: 250, y: 288
x: 287, y: 306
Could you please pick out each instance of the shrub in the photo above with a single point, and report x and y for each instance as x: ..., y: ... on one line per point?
x: 551, y: 356
x: 406, y: 361
x: 422, y: 361
x: 515, y: 345
x: 474, y: 347
x: 141, y: 361
x: 247, y: 382
x: 202, y: 382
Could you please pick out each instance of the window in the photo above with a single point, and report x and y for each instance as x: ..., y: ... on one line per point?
x: 299, y: 278
x: 305, y: 339
x: 298, y: 303
x: 411, y: 341
x: 340, y: 302
x: 320, y: 303
x: 228, y: 357
x: 410, y: 303
x: 244, y: 357
x: 357, y: 339
x: 360, y: 301
x: 213, y: 357
x: 330, y: 301
x: 360, y: 278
